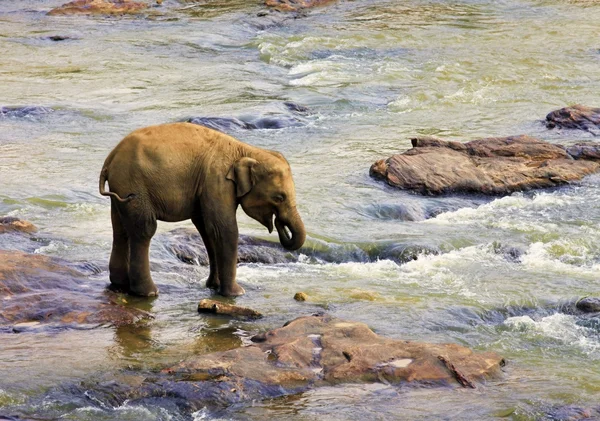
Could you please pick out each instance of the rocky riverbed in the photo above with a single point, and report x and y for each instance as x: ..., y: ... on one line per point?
x: 511, y: 275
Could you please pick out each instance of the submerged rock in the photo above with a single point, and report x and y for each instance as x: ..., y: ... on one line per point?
x: 494, y: 166
x: 37, y: 288
x: 26, y: 111
x: 217, y: 307
x: 295, y: 5
x: 12, y: 224
x: 322, y: 350
x: 231, y: 124
x: 577, y: 117
x: 99, y: 7
x: 589, y: 305
x: 57, y: 38
x: 188, y: 247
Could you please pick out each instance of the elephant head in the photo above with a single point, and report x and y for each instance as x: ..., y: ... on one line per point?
x: 265, y: 189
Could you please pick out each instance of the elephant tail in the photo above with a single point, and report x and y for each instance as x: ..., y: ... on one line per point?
x: 103, y: 176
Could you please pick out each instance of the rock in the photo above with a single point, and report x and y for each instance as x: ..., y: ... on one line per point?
x: 297, y: 108
x: 11, y: 224
x: 300, y: 296
x: 222, y: 124
x: 27, y: 111
x: 57, y: 38
x: 295, y: 5
x: 188, y: 247
x: 37, y: 288
x: 587, y: 151
x: 577, y: 117
x: 322, y: 350
x: 493, y: 166
x: 589, y: 305
x: 573, y: 413
x: 232, y: 124
x: 99, y: 7
x: 403, y: 253
x: 217, y: 307
x: 308, y: 352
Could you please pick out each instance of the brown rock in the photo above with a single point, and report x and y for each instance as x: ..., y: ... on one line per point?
x: 217, y: 307
x: 39, y: 288
x: 495, y: 166
x: 99, y: 7
x: 295, y: 5
x: 11, y: 224
x: 300, y: 296
x: 322, y: 350
x: 575, y: 117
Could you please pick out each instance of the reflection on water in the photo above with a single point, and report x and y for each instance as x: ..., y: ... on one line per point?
x: 371, y: 76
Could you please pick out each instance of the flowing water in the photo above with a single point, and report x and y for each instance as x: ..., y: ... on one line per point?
x: 372, y: 74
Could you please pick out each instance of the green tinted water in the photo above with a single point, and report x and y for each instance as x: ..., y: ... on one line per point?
x: 372, y: 74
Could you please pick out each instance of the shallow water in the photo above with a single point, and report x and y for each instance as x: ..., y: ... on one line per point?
x: 372, y: 74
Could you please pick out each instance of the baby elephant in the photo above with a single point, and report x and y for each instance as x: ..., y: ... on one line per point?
x: 174, y: 172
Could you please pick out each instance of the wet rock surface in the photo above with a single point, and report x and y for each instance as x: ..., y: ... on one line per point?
x: 188, y: 247
x: 296, y: 5
x: 37, y: 288
x: 493, y: 166
x: 99, y: 7
x: 323, y: 350
x: 12, y: 224
x: 578, y: 117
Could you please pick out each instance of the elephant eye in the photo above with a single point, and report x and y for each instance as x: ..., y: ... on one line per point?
x: 279, y: 198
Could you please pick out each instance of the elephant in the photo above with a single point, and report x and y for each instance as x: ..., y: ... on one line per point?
x: 179, y: 171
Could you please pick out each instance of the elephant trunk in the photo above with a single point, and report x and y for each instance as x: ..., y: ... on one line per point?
x: 293, y: 239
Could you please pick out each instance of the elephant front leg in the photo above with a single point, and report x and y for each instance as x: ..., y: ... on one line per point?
x: 222, y: 233
x: 213, y: 278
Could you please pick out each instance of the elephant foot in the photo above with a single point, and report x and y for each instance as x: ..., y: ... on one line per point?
x: 213, y: 283
x: 144, y: 291
x: 118, y: 288
x: 232, y: 291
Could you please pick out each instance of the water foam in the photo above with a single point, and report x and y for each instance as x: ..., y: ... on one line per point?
x: 559, y: 327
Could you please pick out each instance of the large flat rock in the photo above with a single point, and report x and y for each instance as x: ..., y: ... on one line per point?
x: 38, y: 288
x: 494, y: 166
x: 322, y: 350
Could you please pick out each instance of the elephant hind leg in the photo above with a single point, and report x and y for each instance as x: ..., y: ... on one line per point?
x: 140, y: 225
x: 119, y: 256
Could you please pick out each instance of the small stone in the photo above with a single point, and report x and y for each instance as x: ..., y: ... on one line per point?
x: 22, y: 327
x: 300, y: 296
x: 216, y: 307
x: 589, y: 305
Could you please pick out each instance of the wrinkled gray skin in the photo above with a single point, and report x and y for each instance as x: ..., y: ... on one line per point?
x: 180, y: 171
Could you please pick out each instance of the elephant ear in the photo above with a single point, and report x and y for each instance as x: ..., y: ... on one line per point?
x: 241, y: 173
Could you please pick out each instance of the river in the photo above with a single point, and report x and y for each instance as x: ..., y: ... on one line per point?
x: 494, y: 274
